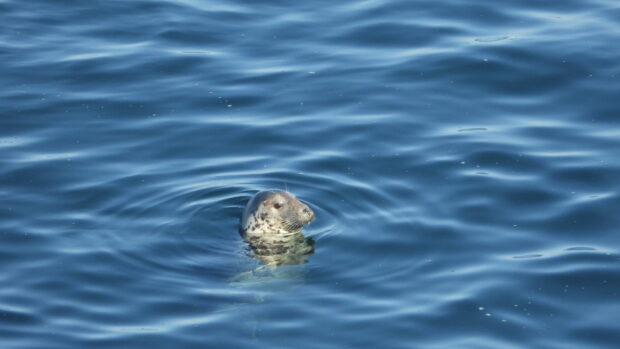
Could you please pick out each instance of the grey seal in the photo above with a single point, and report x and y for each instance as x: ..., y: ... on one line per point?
x: 271, y: 224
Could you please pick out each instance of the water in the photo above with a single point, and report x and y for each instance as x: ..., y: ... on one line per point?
x: 461, y: 158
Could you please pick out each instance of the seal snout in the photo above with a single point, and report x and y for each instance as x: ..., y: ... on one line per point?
x: 307, y: 213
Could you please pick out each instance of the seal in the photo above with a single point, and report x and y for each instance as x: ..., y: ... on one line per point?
x: 271, y: 224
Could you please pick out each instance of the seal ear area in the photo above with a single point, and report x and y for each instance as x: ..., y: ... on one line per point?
x: 268, y: 204
x: 273, y: 202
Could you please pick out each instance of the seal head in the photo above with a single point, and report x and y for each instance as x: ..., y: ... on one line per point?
x: 272, y: 222
x: 275, y: 212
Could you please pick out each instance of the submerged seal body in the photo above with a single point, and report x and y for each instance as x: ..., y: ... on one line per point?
x: 272, y: 223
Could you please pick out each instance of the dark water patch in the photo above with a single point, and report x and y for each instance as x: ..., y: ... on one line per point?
x: 492, y: 39
x: 528, y: 256
x: 472, y: 129
x: 390, y: 34
x: 580, y: 249
x: 16, y: 317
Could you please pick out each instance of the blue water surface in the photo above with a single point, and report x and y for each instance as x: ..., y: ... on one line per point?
x: 461, y: 158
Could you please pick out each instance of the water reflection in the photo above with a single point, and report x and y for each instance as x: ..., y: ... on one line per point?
x: 293, y: 250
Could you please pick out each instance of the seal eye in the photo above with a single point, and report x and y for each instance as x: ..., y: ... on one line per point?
x: 277, y: 206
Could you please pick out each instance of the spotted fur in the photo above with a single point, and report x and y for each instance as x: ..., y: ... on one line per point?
x: 271, y: 223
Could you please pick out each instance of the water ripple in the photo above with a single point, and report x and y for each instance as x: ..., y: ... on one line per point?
x: 461, y: 159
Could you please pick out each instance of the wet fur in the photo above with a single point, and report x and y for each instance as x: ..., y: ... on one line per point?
x: 272, y: 223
